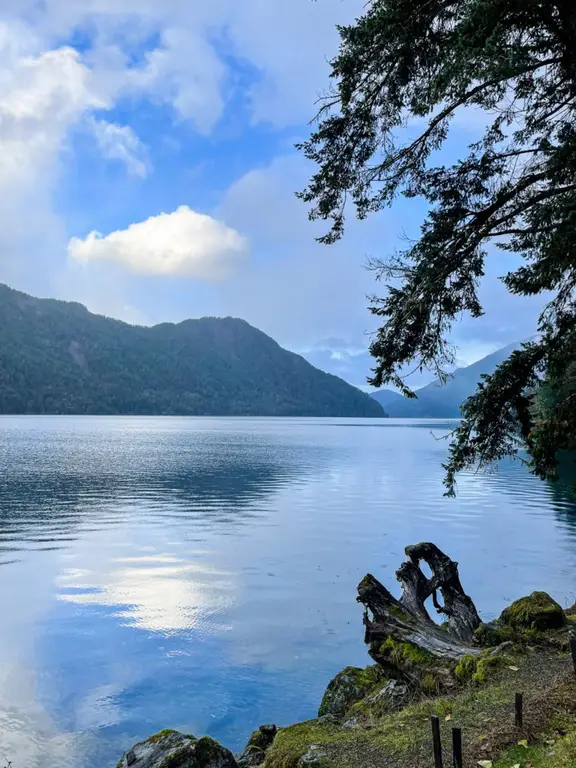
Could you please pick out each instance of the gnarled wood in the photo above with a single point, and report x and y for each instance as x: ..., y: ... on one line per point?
x: 407, y: 620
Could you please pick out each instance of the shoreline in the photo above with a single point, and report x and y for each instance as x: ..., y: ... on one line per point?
x: 379, y: 717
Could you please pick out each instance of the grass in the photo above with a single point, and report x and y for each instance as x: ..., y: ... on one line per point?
x: 485, y: 713
x: 556, y: 750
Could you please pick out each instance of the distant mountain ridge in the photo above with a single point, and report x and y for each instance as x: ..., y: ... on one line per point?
x: 56, y: 357
x: 435, y: 401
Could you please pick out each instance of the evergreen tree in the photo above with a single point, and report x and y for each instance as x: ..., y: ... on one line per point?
x: 514, y: 189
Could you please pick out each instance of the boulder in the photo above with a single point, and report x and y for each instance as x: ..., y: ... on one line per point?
x: 177, y: 750
x: 537, y: 611
x: 349, y: 686
x: 255, y: 752
x: 392, y: 695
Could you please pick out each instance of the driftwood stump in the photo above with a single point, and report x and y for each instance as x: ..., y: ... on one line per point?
x: 390, y: 621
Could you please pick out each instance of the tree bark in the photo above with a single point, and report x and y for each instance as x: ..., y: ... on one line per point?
x: 407, y: 620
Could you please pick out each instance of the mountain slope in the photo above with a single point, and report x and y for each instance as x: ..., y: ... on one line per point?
x: 435, y: 401
x: 56, y: 357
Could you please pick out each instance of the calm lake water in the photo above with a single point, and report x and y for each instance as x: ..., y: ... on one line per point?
x: 200, y: 573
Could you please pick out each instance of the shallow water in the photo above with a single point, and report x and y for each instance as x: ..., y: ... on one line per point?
x: 200, y: 573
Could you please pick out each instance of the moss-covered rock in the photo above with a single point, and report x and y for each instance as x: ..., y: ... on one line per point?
x: 263, y: 737
x: 477, y: 669
x: 348, y: 687
x: 258, y: 743
x: 251, y: 757
x: 301, y: 742
x: 538, y: 611
x: 493, y: 634
x: 160, y: 735
x: 171, y: 749
x: 417, y: 667
x: 387, y: 697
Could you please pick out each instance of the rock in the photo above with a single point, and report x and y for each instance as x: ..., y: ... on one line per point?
x: 259, y: 742
x: 315, y: 756
x: 330, y: 719
x: 263, y: 737
x: 252, y: 756
x: 537, y: 611
x: 348, y: 687
x: 503, y: 648
x: 393, y: 694
x: 171, y: 749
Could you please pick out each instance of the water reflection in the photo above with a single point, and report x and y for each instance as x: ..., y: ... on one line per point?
x: 201, y: 574
x: 53, y: 487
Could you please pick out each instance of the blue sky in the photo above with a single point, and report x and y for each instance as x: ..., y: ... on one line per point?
x: 148, y: 170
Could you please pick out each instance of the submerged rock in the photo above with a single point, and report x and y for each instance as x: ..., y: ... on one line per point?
x: 172, y: 749
x: 537, y: 611
x: 348, y: 687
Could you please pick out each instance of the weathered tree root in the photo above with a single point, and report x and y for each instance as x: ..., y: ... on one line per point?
x: 405, y: 623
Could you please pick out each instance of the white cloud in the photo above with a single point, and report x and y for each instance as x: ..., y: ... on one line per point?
x: 119, y: 142
x: 185, y: 65
x: 194, y: 57
x: 183, y: 71
x: 173, y: 53
x: 296, y: 290
x: 40, y: 97
x: 180, y: 243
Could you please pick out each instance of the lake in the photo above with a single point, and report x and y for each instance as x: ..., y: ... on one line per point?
x: 200, y: 573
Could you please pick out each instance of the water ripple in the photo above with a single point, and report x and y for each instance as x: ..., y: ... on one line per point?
x: 201, y: 573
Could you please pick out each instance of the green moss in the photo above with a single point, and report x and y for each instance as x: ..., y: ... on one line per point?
x: 488, y: 635
x: 486, y: 665
x: 394, y: 609
x: 430, y: 685
x: 402, y: 738
x: 552, y: 752
x: 477, y: 669
x: 293, y: 742
x: 178, y: 757
x: 252, y: 749
x: 261, y: 740
x: 465, y: 668
x: 366, y: 582
x: 348, y: 687
x: 399, y: 735
x: 418, y: 665
x: 160, y: 735
x: 405, y: 655
x: 207, y: 749
x: 538, y: 611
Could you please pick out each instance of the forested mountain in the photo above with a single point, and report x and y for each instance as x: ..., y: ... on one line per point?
x: 435, y: 401
x: 56, y: 357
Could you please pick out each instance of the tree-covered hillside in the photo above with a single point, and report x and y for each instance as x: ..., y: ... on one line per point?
x: 56, y: 357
